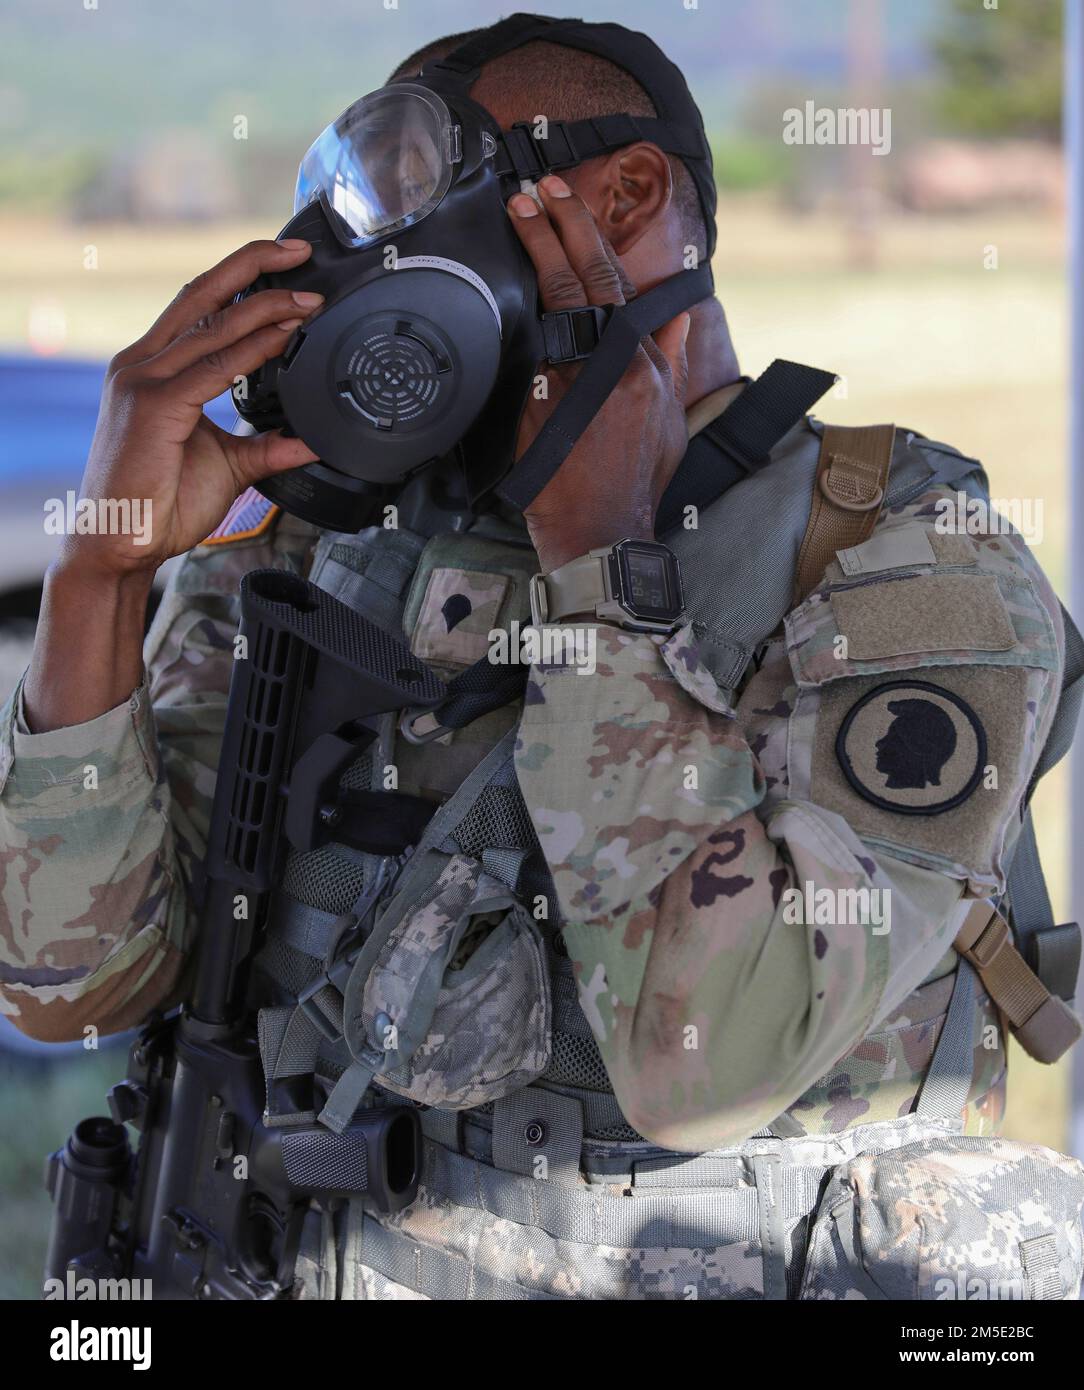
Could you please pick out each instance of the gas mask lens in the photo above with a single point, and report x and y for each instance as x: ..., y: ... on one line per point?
x: 385, y: 163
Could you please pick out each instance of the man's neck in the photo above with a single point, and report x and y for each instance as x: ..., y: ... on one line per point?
x: 713, y: 361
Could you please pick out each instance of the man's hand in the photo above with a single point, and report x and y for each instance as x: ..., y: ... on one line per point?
x: 610, y: 485
x: 153, y: 441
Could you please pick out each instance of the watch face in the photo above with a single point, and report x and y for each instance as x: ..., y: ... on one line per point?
x: 648, y: 584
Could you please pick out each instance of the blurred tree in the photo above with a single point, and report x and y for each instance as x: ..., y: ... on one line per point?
x: 1001, y: 66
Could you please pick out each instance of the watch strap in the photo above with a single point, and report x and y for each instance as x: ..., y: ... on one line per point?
x: 578, y: 586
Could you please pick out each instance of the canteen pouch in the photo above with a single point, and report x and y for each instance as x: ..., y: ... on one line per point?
x: 452, y: 990
x: 949, y: 1217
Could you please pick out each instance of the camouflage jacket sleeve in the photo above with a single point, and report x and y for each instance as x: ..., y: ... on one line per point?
x: 103, y: 824
x: 719, y: 980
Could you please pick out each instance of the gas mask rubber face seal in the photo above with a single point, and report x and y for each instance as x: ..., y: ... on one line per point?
x: 429, y: 338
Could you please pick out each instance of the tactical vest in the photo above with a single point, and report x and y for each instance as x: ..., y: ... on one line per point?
x: 464, y: 952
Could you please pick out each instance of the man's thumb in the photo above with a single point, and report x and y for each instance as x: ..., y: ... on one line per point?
x: 671, y: 340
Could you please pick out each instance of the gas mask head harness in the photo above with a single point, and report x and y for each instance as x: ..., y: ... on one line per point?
x: 426, y: 347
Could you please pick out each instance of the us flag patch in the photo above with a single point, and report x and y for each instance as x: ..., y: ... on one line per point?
x: 250, y: 515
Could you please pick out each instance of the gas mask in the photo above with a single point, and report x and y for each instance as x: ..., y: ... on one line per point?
x: 430, y: 337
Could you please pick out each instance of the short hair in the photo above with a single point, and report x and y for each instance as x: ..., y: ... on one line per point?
x: 572, y: 85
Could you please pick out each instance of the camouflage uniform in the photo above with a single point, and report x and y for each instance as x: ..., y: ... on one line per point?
x: 676, y: 819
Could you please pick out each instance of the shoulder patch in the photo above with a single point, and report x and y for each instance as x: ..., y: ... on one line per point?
x: 250, y: 515
x: 912, y: 747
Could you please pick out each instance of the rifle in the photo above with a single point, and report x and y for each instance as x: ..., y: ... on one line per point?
x: 210, y: 1203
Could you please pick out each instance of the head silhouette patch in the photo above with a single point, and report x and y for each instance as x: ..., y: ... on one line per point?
x: 912, y: 747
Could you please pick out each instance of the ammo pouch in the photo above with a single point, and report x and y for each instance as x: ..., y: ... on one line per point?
x: 447, y: 999
x: 949, y: 1216
x: 452, y: 989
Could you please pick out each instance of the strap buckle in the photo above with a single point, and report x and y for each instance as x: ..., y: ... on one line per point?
x: 532, y: 156
x: 570, y: 335
x: 848, y: 504
x: 409, y: 721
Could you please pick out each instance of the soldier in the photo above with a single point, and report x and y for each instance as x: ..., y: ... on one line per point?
x: 722, y: 1049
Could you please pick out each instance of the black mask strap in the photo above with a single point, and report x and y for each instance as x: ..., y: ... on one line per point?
x: 628, y: 324
x: 678, y: 129
x: 470, y: 57
x: 529, y: 156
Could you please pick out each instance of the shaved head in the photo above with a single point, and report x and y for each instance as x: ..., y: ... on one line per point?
x: 564, y: 84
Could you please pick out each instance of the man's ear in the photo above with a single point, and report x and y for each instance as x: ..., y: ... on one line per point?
x: 630, y: 192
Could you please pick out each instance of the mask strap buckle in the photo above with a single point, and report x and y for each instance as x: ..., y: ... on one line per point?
x: 570, y: 335
x: 533, y: 155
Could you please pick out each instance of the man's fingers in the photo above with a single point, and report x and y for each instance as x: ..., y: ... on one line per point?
x: 224, y: 327
x: 217, y: 370
x: 258, y: 456
x: 669, y: 341
x: 558, y: 285
x: 213, y: 290
x: 582, y: 241
x: 628, y: 289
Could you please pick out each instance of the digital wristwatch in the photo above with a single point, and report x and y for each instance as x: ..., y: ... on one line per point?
x: 635, y: 584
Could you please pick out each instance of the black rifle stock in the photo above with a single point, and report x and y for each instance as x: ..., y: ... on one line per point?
x: 211, y: 1203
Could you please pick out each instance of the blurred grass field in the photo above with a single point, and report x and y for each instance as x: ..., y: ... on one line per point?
x: 930, y: 339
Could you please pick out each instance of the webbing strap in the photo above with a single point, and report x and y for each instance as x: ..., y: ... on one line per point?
x: 1032, y: 913
x: 768, y: 1171
x: 346, y: 1094
x: 1063, y: 726
x: 444, y: 822
x: 589, y: 1217
x: 598, y: 377
x: 499, y: 38
x: 947, y: 1083
x: 1053, y: 951
x: 741, y: 439
x: 678, y: 129
x: 734, y: 599
x: 852, y: 475
x: 1042, y: 1023
x: 572, y: 142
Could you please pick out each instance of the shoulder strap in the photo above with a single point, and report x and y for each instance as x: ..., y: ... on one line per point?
x: 848, y: 492
x: 740, y: 439
x: 1042, y: 1023
x: 627, y: 325
x: 1053, y: 951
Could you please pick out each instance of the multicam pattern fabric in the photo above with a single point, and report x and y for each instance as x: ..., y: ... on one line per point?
x: 674, y: 822
x: 457, y: 615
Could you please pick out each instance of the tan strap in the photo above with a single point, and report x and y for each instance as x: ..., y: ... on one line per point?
x: 848, y: 492
x: 1043, y: 1024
